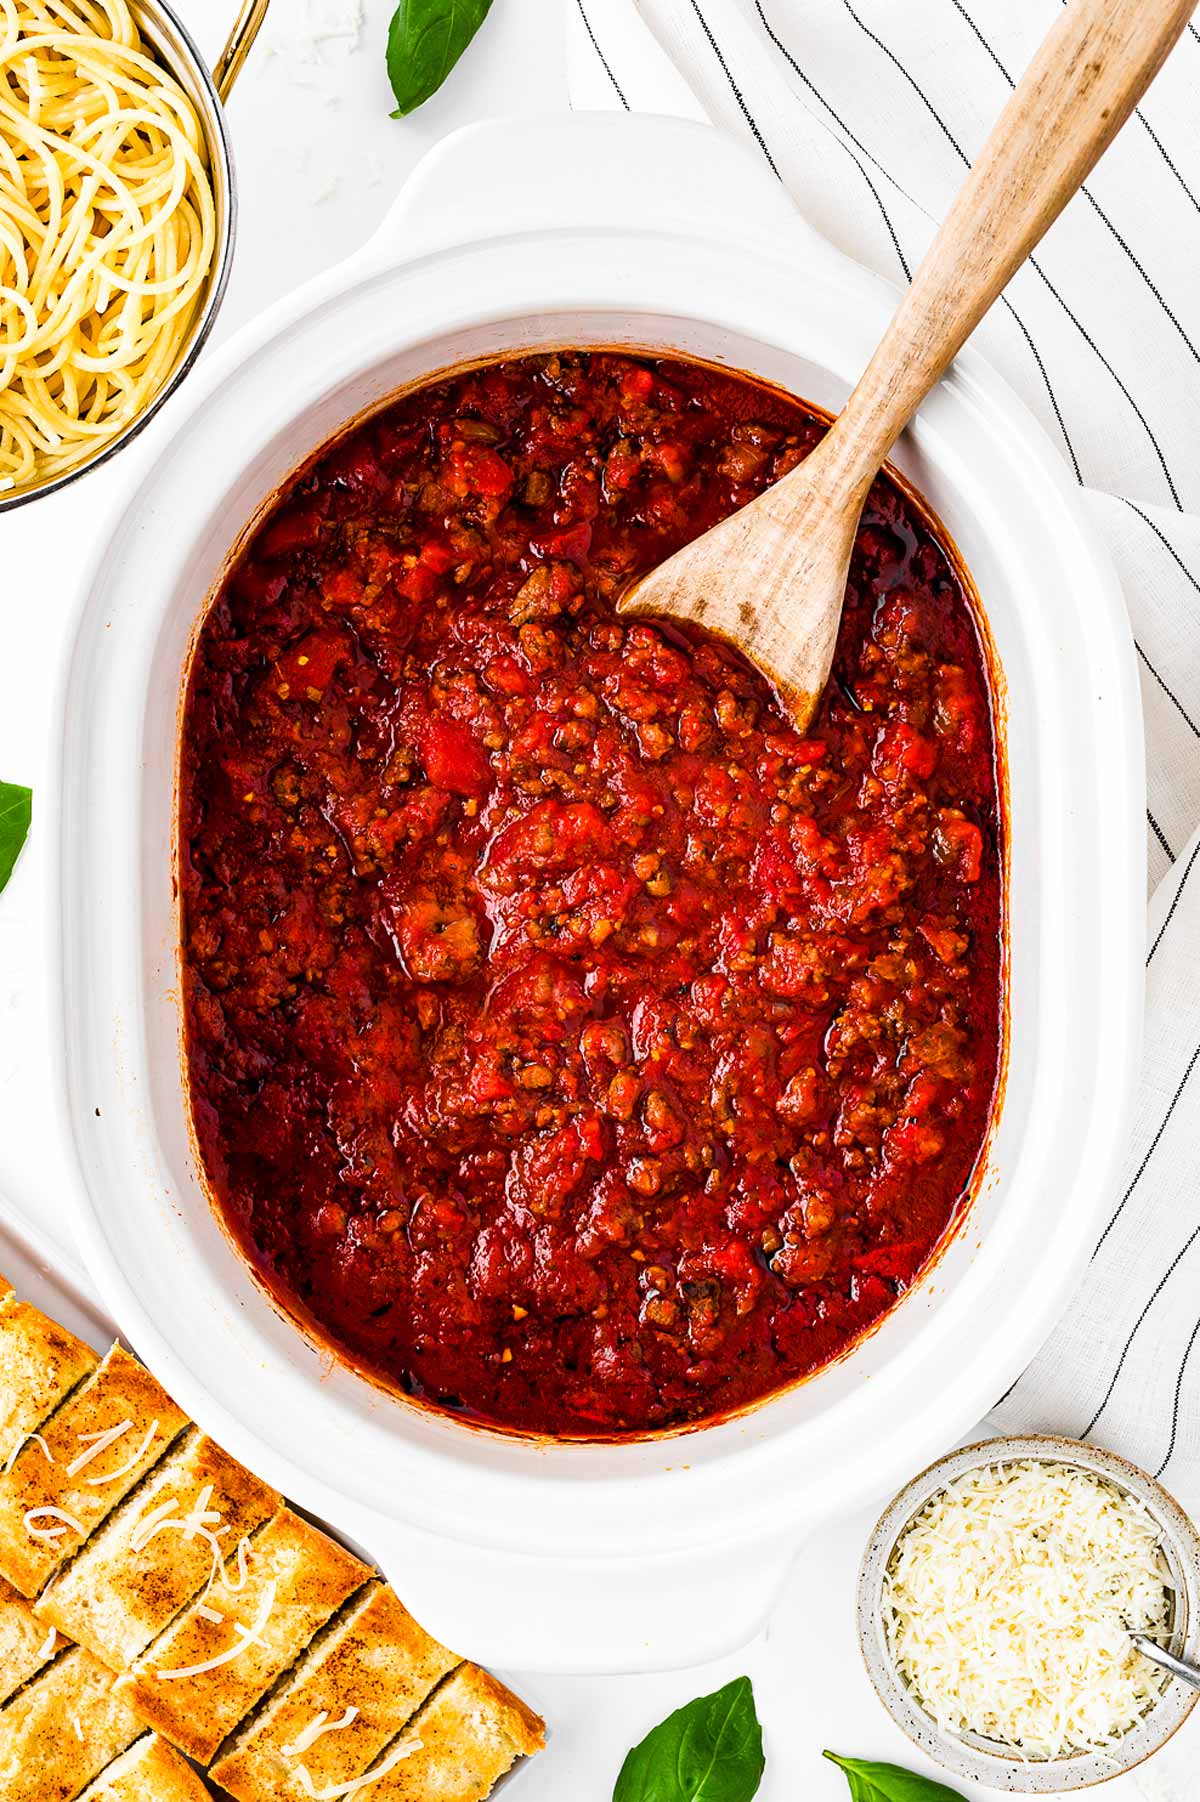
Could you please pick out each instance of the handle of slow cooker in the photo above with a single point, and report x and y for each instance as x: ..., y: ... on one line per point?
x: 502, y: 177
x: 582, y: 1616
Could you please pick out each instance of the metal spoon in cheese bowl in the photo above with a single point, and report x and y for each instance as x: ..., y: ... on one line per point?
x: 771, y: 577
x: 1178, y: 1667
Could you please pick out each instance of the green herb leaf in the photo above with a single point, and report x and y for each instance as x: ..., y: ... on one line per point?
x: 16, y: 811
x: 709, y: 1751
x: 426, y: 39
x: 871, y: 1782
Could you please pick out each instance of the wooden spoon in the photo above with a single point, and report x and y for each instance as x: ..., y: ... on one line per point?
x: 771, y: 577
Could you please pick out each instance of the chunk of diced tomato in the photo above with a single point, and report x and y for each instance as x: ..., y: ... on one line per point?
x: 670, y: 457
x: 897, y: 1263
x: 438, y: 556
x: 901, y: 747
x: 637, y: 384
x: 355, y: 465
x: 811, y: 845
x: 946, y: 943
x: 773, y: 870
x: 572, y: 543
x: 417, y: 584
x: 913, y: 1142
x: 505, y: 676
x: 342, y: 588
x: 958, y: 843
x: 453, y: 758
x: 308, y: 667
x: 295, y: 528
x: 552, y: 837
x: 808, y: 750
x: 477, y: 469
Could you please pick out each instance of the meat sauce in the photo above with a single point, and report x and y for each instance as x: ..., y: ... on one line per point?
x: 571, y: 1042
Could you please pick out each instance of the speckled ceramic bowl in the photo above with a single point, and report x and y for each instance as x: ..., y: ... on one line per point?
x: 984, y: 1760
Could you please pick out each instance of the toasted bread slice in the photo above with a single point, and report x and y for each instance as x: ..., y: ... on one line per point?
x: 124, y: 1589
x: 375, y: 1661
x: 471, y: 1731
x: 120, y: 1392
x: 62, y: 1729
x: 40, y: 1364
x: 26, y: 1643
x: 296, y: 1579
x: 149, y: 1772
x: 6, y: 1292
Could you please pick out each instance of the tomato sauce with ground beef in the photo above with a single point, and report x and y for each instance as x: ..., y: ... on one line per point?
x: 570, y: 1041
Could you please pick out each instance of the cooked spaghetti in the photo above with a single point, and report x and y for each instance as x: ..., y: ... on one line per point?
x: 107, y: 231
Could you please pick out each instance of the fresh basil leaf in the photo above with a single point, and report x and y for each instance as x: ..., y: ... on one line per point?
x: 709, y: 1751
x: 870, y: 1782
x: 426, y: 39
x: 16, y: 811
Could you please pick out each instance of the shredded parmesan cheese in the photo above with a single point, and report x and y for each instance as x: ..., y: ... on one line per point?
x: 243, y: 1546
x: 75, y: 1722
x: 100, y: 1442
x: 18, y: 1448
x: 47, y: 1645
x: 58, y: 1514
x: 147, y: 1527
x: 403, y: 1748
x: 243, y: 1637
x: 197, y: 1523
x: 200, y: 1515
x: 316, y: 1727
x: 132, y: 1462
x: 1009, y: 1602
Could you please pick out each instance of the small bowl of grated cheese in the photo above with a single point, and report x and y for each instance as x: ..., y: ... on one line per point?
x: 996, y: 1600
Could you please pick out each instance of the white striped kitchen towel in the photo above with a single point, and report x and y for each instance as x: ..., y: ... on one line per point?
x: 870, y: 111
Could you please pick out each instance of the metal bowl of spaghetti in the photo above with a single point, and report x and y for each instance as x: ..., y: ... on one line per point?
x: 118, y: 208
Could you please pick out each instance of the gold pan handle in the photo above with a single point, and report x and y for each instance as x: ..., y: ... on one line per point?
x: 229, y: 63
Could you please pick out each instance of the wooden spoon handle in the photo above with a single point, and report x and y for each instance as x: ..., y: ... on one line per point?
x: 1080, y: 88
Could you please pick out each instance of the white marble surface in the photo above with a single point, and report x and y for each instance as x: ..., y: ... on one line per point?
x: 318, y: 160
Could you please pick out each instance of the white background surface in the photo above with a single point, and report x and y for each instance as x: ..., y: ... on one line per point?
x: 318, y: 161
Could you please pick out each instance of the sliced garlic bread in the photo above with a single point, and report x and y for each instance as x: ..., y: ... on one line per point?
x: 156, y: 1553
x: 366, y: 1677
x: 149, y: 1772
x: 291, y: 1580
x: 40, y: 1363
x: 62, y: 1729
x: 26, y: 1643
x: 471, y: 1731
x: 93, y: 1451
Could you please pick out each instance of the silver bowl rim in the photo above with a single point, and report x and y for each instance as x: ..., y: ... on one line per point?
x: 218, y: 283
x: 972, y: 1757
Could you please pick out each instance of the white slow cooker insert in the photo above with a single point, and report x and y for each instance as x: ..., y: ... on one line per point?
x: 662, y: 236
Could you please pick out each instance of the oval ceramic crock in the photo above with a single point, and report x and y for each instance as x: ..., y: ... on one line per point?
x: 650, y: 233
